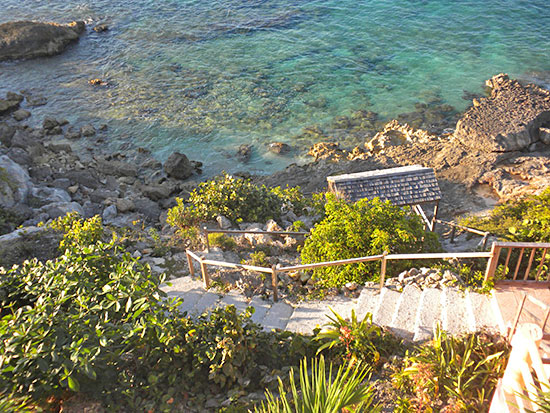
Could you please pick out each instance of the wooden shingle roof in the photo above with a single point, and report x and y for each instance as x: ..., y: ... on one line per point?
x: 406, y: 185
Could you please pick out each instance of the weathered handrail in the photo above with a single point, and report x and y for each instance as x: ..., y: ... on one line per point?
x: 498, y: 247
x: 207, y: 231
x: 274, y: 270
x: 454, y: 226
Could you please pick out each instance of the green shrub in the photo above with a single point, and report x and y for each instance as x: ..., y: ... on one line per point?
x: 457, y: 373
x: 94, y: 320
x: 356, y: 340
x: 11, y: 404
x: 237, y: 199
x: 523, y: 220
x: 223, y: 241
x: 363, y: 228
x: 77, y: 231
x: 348, y: 390
x: 258, y: 259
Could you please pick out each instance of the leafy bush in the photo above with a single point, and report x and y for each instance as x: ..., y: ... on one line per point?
x: 363, y: 228
x: 77, y: 231
x: 356, y: 340
x: 238, y: 200
x: 459, y: 373
x: 94, y: 320
x: 223, y: 241
x: 323, y: 393
x: 67, y: 321
x: 523, y: 220
x: 10, y: 404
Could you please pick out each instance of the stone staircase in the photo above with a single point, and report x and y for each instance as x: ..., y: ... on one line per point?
x: 411, y: 314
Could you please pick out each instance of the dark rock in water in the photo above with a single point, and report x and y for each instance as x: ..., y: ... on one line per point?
x: 33, y: 99
x: 101, y: 27
x: 244, y: 152
x: 87, y: 130
x: 178, y: 166
x: 49, y: 123
x: 21, y: 114
x: 6, y: 134
x: 280, y: 148
x: 72, y: 133
x: 10, y: 103
x: 509, y: 120
x: 28, y: 39
x: 117, y: 168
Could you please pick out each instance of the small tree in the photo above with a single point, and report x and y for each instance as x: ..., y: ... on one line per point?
x: 363, y: 228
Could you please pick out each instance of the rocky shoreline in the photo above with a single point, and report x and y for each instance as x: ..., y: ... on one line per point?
x: 58, y: 168
x: 499, y: 151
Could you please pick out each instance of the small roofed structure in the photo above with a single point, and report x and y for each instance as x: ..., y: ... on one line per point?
x: 412, y: 185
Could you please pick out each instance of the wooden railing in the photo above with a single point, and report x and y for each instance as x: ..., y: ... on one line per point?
x: 275, y: 270
x: 207, y: 231
x: 521, y: 268
x: 454, y: 227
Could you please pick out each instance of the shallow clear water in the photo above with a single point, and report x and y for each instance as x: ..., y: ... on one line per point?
x: 203, y: 77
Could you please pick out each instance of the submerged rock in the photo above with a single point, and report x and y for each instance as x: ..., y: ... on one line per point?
x: 28, y: 39
x: 509, y: 120
x: 178, y: 166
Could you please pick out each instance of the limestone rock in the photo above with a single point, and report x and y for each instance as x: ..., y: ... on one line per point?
x: 279, y: 148
x: 21, y: 114
x: 509, y: 120
x: 244, y: 152
x: 223, y: 222
x: 15, y: 183
x: 87, y: 130
x: 178, y: 166
x: 11, y: 102
x: 28, y: 39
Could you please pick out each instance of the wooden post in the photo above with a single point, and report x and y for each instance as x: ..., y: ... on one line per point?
x: 205, y: 229
x: 434, y: 218
x: 492, y: 263
x: 485, y: 238
x: 274, y: 281
x: 453, y: 232
x: 383, y: 270
x: 205, y: 276
x: 190, y: 263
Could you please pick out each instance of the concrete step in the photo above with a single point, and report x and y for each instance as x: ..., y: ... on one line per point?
x: 367, y: 302
x: 407, y: 307
x: 387, y: 304
x: 208, y: 301
x: 277, y: 316
x: 429, y: 314
x: 314, y: 314
x: 187, y: 288
x: 261, y: 307
x: 457, y: 312
x: 234, y: 298
x: 483, y: 312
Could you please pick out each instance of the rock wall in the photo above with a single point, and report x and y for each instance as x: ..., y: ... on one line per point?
x: 509, y: 120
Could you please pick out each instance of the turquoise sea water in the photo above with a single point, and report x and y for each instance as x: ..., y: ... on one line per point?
x: 203, y: 77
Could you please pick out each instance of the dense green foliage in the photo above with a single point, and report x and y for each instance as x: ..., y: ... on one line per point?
x: 94, y: 320
x: 320, y: 391
x: 523, y: 220
x: 237, y: 199
x: 356, y: 340
x: 363, y: 228
x: 456, y: 373
x: 223, y: 241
